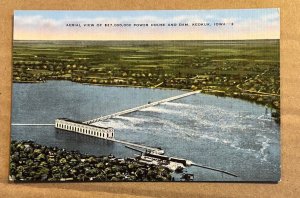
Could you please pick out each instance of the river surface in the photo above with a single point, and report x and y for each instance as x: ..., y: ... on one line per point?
x: 225, y: 133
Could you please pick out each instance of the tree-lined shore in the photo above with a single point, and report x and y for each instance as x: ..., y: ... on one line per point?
x: 32, y: 162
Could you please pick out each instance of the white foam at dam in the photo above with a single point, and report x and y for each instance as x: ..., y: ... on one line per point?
x: 173, y: 121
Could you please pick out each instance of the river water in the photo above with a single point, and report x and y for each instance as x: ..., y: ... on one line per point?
x: 224, y: 133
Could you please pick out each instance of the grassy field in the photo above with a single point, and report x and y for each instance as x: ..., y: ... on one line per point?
x: 244, y: 69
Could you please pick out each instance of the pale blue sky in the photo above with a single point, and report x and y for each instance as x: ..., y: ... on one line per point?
x: 248, y: 24
x: 238, y: 13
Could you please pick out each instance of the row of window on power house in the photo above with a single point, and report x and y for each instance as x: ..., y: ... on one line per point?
x: 85, y: 131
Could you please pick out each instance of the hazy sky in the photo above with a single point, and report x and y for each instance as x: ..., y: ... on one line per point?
x: 52, y: 25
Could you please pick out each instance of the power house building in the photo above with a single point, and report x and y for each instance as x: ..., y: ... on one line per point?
x: 86, y: 129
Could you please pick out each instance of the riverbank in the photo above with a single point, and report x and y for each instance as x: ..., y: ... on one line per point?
x: 32, y: 162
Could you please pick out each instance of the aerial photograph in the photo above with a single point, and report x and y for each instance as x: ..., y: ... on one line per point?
x: 120, y: 96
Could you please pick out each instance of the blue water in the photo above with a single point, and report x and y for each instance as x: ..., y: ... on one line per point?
x: 224, y: 133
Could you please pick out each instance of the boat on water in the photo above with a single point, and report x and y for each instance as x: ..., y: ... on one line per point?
x: 158, y: 151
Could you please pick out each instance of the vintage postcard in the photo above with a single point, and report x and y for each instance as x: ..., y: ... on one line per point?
x: 169, y: 95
